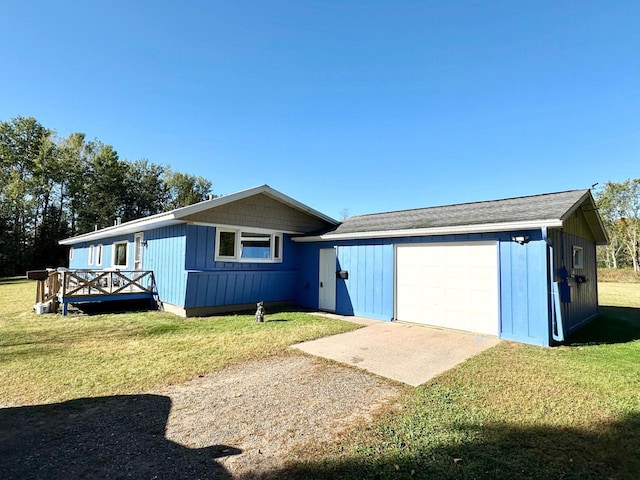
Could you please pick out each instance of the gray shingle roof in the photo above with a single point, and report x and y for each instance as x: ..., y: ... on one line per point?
x: 550, y: 206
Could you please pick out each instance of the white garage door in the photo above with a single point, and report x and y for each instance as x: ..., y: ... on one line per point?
x: 449, y: 285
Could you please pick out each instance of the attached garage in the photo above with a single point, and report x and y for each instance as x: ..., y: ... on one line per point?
x: 450, y: 285
x: 504, y: 268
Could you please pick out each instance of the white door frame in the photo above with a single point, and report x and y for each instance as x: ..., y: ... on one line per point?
x: 327, y: 280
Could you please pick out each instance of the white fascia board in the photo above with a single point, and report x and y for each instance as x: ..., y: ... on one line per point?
x: 423, y: 232
x: 124, y: 229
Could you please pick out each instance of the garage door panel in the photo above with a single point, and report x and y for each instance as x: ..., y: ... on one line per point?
x: 448, y: 285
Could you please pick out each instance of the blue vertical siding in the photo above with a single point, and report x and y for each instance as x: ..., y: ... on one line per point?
x: 206, y: 289
x: 368, y: 292
x: 165, y: 255
x: 524, y: 294
x: 212, y: 284
x: 81, y: 253
x: 80, y: 256
x: 584, y: 297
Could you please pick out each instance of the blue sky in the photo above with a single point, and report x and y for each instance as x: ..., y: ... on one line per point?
x: 361, y: 105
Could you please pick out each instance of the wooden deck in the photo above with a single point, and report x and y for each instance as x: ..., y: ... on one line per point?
x: 88, y: 286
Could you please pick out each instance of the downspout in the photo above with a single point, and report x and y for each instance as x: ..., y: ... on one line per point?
x: 557, y: 328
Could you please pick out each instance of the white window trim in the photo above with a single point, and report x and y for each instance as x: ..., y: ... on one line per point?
x: 113, y: 255
x: 91, y: 251
x: 274, y: 257
x: 70, y: 253
x: 578, y: 264
x: 99, y: 253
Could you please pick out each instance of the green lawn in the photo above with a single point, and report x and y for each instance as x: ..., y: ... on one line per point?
x: 515, y: 411
x: 50, y: 358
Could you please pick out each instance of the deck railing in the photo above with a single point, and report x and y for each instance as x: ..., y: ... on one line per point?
x: 90, y: 283
x: 85, y: 286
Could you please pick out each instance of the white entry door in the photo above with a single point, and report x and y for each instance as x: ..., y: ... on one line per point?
x: 449, y: 285
x: 327, y: 285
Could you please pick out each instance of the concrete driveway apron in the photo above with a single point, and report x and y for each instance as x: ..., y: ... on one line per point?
x: 408, y: 353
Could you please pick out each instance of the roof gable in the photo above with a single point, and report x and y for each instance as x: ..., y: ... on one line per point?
x: 260, y: 211
x: 248, y: 206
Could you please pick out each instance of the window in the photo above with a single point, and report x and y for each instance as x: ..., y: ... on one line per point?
x: 99, y: 255
x: 578, y: 257
x: 226, y: 244
x: 120, y: 256
x: 91, y: 248
x: 248, y: 246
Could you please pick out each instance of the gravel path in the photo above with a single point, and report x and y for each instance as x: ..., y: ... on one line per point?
x: 266, y: 408
x: 240, y: 422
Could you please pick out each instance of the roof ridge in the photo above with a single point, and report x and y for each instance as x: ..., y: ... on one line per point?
x: 466, y: 203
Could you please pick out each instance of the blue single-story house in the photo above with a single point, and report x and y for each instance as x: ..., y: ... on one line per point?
x: 521, y: 269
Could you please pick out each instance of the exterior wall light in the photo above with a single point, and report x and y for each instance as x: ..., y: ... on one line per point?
x: 521, y: 239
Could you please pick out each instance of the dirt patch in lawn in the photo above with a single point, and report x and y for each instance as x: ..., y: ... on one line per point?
x: 269, y: 407
x: 241, y: 422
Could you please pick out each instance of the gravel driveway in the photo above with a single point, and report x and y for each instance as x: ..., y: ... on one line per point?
x: 241, y: 422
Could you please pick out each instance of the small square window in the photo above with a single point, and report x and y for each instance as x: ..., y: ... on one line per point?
x: 227, y: 244
x: 578, y: 257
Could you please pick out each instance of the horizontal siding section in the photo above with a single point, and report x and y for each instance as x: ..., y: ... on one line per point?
x: 210, y: 289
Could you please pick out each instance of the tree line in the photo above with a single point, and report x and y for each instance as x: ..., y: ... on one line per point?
x: 619, y: 207
x: 53, y: 188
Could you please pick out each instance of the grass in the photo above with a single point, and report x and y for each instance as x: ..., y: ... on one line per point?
x: 514, y: 411
x: 618, y: 275
x: 50, y: 358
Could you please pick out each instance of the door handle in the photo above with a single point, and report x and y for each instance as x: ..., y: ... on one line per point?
x: 321, y: 285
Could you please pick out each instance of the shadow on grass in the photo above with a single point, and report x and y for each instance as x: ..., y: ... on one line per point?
x: 104, y: 437
x: 613, y: 325
x: 502, y: 451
